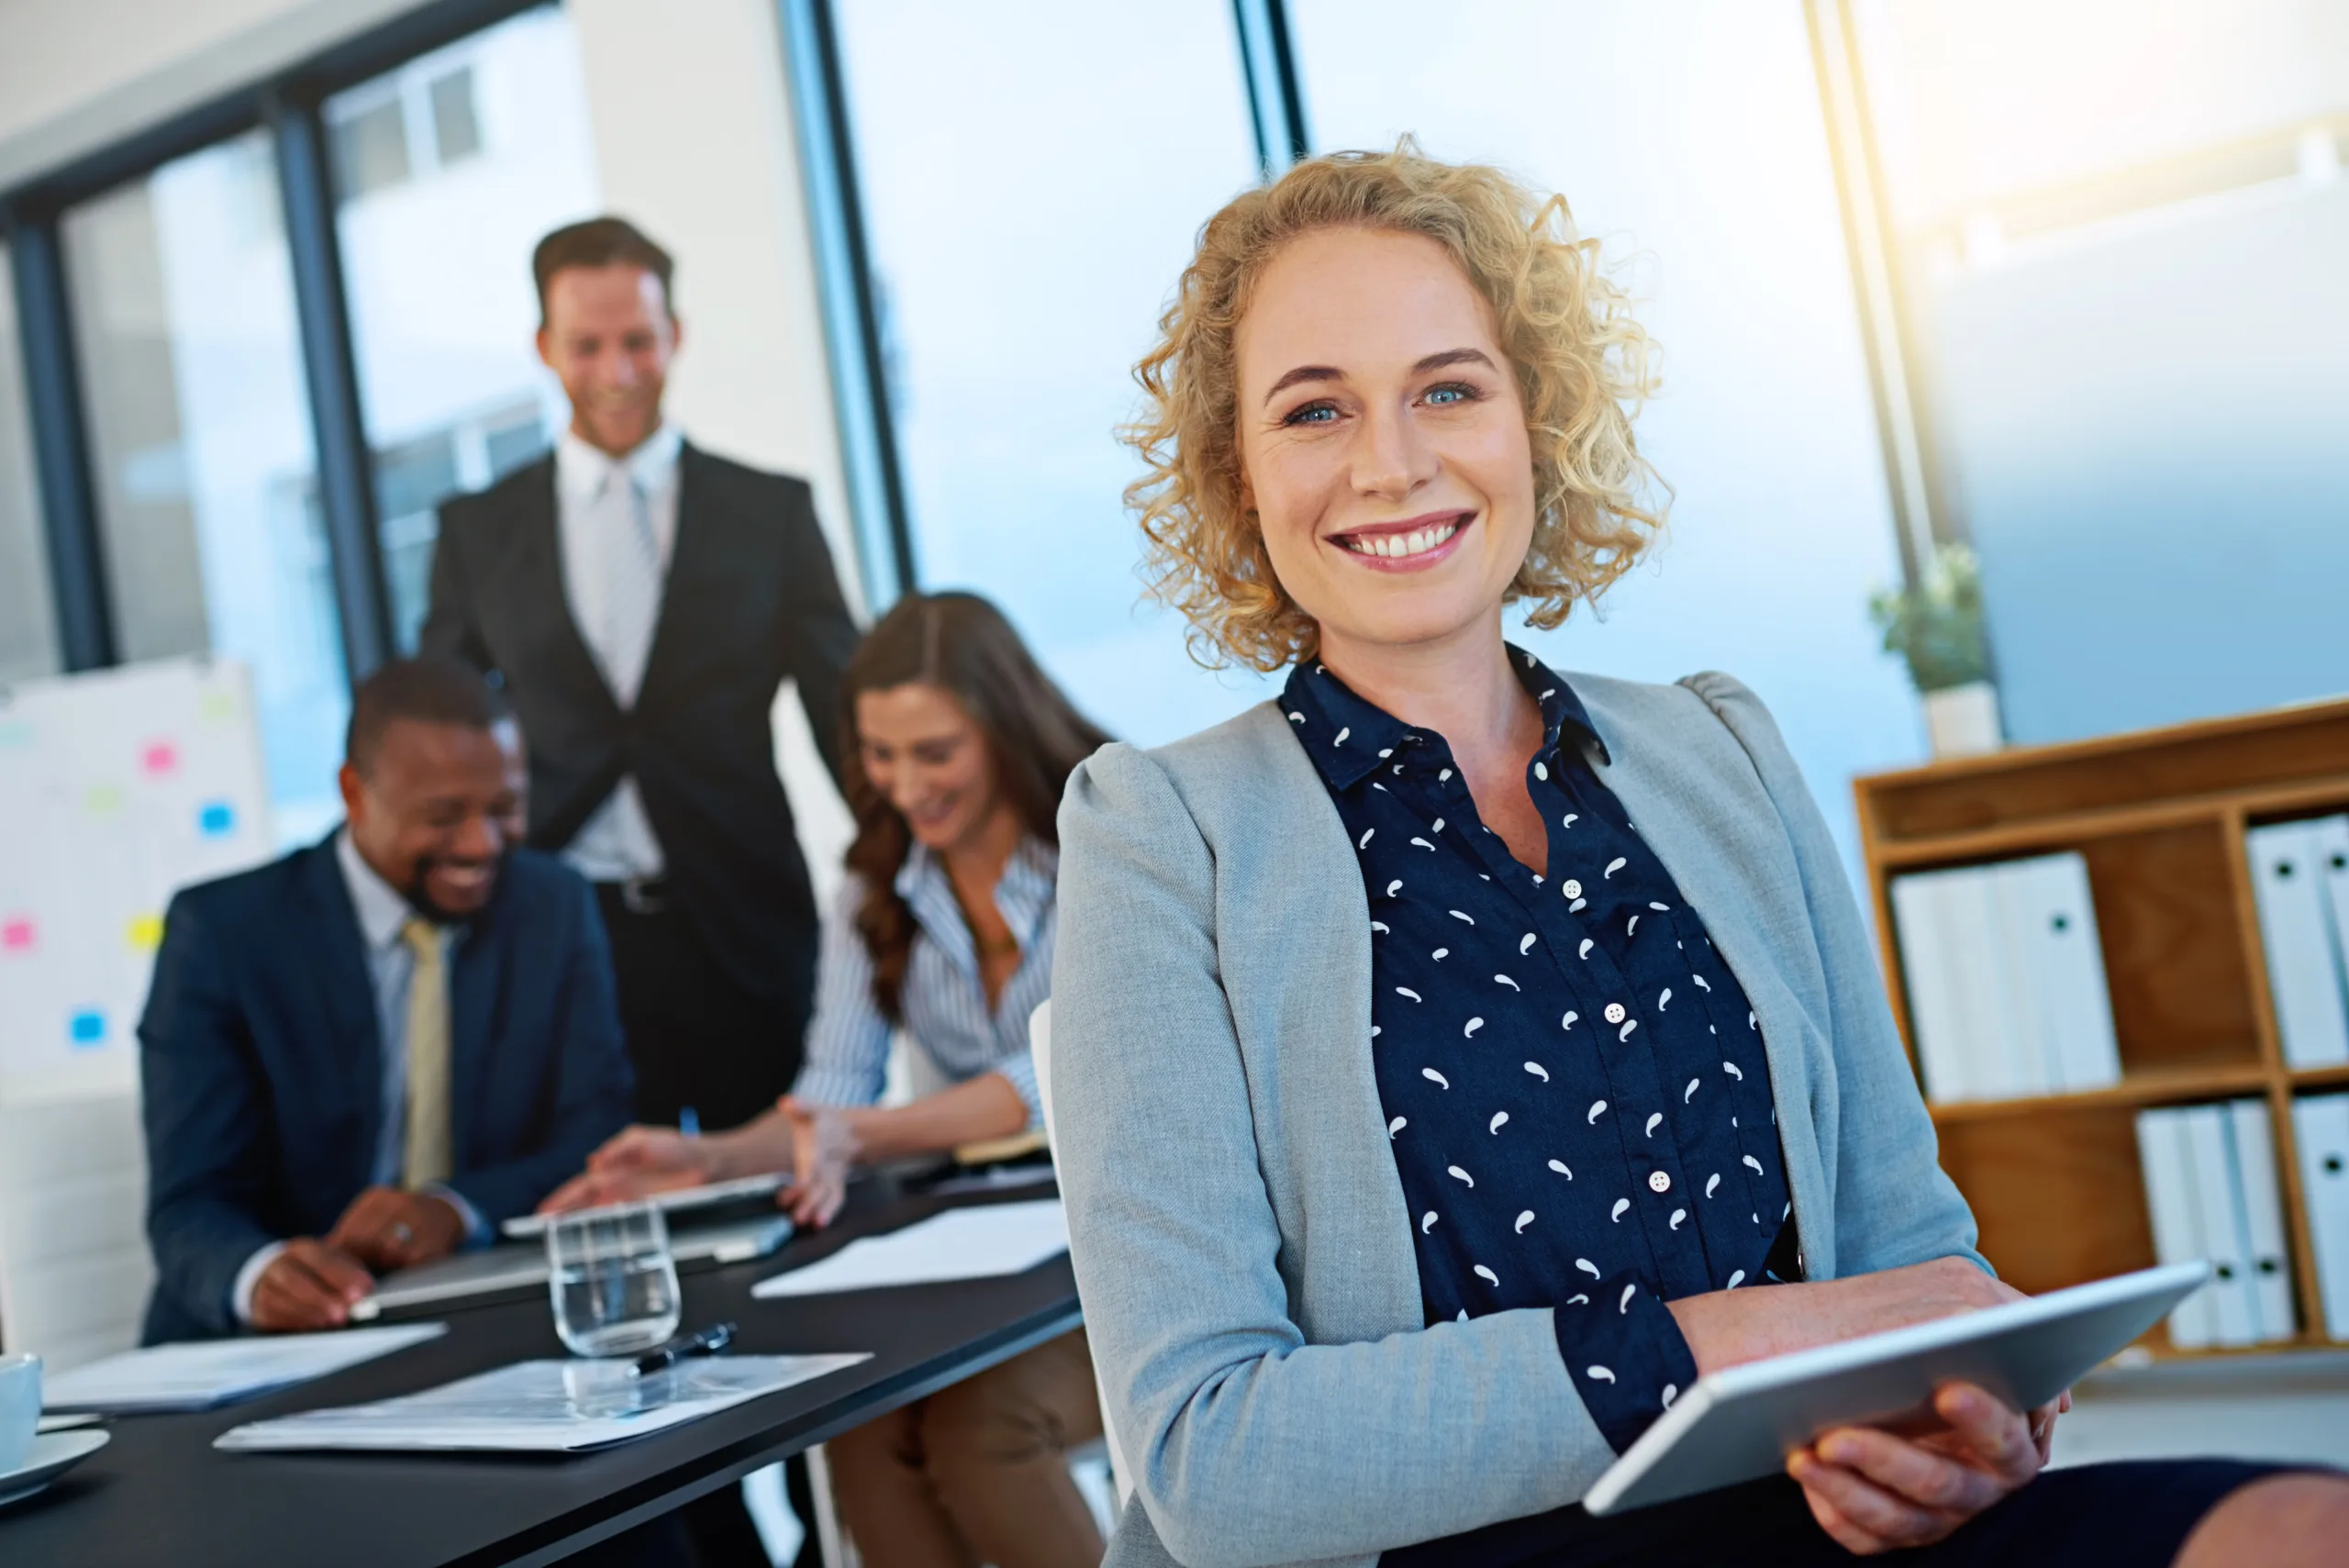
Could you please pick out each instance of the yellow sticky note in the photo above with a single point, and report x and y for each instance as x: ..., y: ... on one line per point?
x: 147, y: 932
x: 103, y: 800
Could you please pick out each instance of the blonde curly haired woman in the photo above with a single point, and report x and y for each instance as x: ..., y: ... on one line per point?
x: 1454, y: 1058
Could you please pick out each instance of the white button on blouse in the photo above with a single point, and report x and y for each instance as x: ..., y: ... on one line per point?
x: 1658, y: 1181
x: 1614, y: 1012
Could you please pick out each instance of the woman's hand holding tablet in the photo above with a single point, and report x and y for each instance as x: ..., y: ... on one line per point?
x: 1899, y: 1435
x: 1875, y: 1489
x: 1729, y: 1327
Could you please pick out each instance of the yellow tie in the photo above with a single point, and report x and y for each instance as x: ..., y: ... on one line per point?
x: 429, y: 1155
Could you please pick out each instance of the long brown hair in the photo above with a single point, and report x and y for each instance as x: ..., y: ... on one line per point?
x: 963, y: 645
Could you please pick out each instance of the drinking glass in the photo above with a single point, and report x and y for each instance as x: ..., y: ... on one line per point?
x: 614, y: 1282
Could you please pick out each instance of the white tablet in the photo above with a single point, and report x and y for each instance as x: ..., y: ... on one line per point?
x: 512, y: 1265
x: 674, y: 1203
x: 1738, y: 1424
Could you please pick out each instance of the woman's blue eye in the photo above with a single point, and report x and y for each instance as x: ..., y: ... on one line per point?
x: 1313, y: 413
x: 1446, y: 396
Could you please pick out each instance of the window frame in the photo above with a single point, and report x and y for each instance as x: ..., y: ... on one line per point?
x: 844, y: 274
x: 288, y: 105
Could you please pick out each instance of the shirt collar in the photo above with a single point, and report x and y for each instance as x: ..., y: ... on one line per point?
x: 1348, y: 735
x: 382, y: 911
x: 1022, y: 893
x: 583, y: 472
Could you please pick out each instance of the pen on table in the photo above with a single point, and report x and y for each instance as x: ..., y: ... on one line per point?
x: 689, y: 1121
x: 708, y: 1342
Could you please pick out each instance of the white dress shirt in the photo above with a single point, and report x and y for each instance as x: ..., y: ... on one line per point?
x: 596, y: 495
x: 382, y: 913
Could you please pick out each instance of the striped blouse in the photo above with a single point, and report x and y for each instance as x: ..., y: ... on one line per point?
x: 943, y: 1001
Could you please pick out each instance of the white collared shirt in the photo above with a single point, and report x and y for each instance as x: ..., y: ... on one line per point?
x: 593, y: 496
x: 384, y: 913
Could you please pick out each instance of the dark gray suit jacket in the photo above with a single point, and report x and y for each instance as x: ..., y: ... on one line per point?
x: 750, y: 601
x: 260, y: 1062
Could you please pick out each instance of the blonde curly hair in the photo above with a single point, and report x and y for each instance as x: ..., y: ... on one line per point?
x: 1583, y: 368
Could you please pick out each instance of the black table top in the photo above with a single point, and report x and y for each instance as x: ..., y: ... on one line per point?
x: 160, y: 1494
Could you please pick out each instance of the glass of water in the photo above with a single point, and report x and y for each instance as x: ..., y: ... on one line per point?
x: 614, y: 1282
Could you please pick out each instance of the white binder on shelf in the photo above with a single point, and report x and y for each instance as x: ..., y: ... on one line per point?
x: 1934, y: 1018
x: 2006, y: 979
x: 2075, y: 998
x: 2303, y: 951
x: 2234, y: 1320
x: 2177, y: 1219
x: 2329, y: 844
x: 2002, y: 1047
x: 2320, y: 1128
x: 2020, y: 995
x: 2262, y: 1219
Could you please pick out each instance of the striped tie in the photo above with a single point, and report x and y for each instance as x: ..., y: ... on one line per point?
x: 430, y: 1156
x: 631, y: 584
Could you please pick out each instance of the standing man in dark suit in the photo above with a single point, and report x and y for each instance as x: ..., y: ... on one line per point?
x: 643, y: 601
x: 370, y: 1052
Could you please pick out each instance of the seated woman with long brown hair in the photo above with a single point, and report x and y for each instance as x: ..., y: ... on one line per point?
x: 944, y: 929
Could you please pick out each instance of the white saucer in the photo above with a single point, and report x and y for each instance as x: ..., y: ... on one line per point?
x: 71, y: 1419
x: 53, y: 1454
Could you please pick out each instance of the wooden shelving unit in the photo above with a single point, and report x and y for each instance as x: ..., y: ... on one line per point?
x: 2159, y: 816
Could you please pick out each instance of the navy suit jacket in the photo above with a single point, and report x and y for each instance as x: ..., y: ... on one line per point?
x: 264, y: 1066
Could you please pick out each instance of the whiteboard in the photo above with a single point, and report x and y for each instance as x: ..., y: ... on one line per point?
x: 117, y: 787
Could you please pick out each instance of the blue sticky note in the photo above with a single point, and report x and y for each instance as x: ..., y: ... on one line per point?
x: 215, y: 818
x: 88, y: 1027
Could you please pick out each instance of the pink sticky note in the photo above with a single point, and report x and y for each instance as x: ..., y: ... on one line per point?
x: 17, y: 934
x: 161, y: 757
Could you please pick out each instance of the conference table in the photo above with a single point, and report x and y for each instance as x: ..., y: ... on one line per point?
x: 159, y: 1494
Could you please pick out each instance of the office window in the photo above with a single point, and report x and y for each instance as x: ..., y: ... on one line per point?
x: 438, y: 269
x: 370, y: 148
x: 200, y: 438
x: 2122, y: 232
x: 1698, y: 156
x: 456, y: 128
x: 1017, y: 290
x: 27, y: 629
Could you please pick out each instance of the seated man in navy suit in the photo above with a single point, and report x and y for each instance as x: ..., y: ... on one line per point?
x: 367, y: 1054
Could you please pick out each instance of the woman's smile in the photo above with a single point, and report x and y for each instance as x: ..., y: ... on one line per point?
x: 1413, y: 545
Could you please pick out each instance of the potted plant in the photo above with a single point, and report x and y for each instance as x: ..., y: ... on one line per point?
x: 1935, y: 626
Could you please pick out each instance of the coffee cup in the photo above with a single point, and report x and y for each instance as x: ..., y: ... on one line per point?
x: 20, y: 1409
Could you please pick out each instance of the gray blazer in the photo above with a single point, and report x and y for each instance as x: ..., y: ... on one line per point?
x: 1236, y: 1222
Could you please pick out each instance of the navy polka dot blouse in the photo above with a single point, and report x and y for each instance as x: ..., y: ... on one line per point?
x: 1574, y: 1090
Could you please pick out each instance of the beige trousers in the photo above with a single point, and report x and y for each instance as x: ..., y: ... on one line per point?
x: 978, y: 1473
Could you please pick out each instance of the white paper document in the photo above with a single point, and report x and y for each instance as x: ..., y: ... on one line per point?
x: 545, y: 1407
x: 200, y: 1375
x: 961, y: 1244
